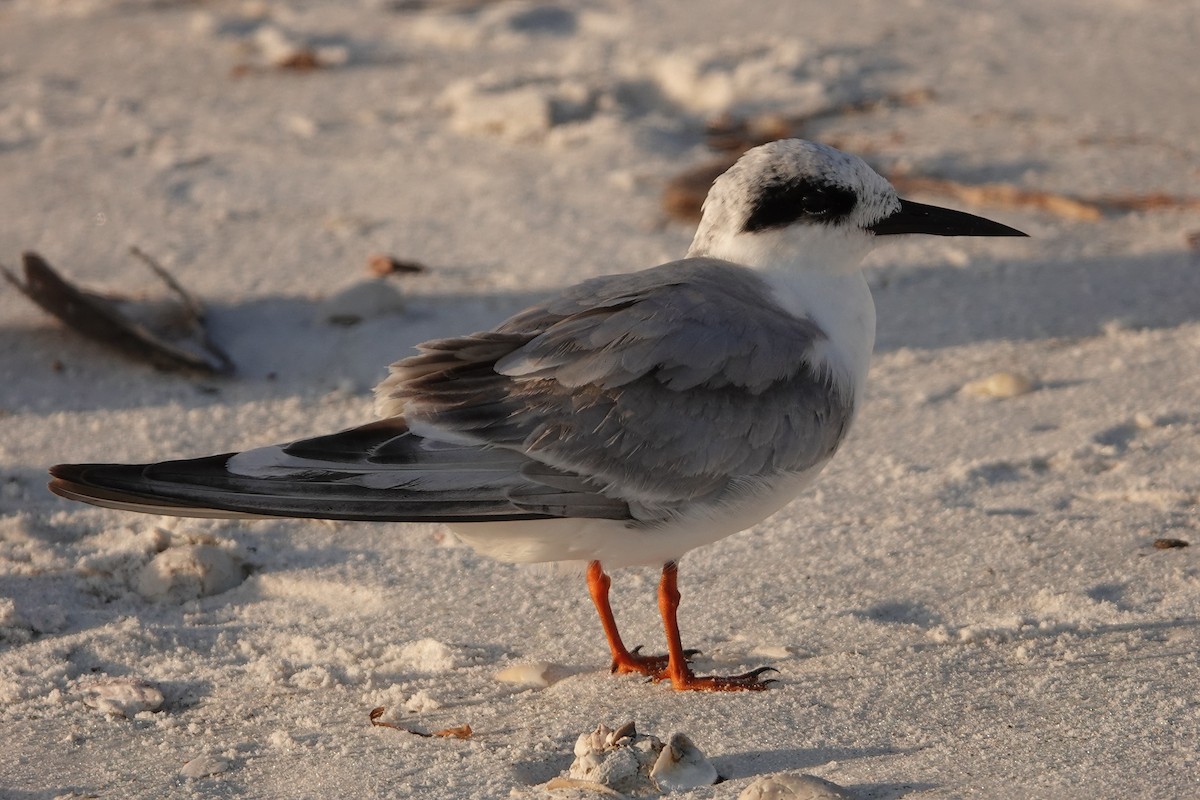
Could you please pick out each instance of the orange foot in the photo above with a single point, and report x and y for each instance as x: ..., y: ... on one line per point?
x: 653, y: 666
x: 746, y: 682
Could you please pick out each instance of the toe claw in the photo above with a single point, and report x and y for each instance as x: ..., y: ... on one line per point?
x: 754, y: 673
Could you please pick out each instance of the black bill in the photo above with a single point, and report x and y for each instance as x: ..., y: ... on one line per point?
x: 920, y: 218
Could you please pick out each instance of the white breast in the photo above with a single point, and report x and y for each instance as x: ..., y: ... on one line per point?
x: 841, y: 304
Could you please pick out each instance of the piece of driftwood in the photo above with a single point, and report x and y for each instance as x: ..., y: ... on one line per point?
x: 169, y: 332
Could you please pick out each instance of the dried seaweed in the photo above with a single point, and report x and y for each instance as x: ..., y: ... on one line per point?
x: 456, y: 732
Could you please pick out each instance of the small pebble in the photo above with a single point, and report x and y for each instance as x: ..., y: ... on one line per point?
x: 1000, y: 385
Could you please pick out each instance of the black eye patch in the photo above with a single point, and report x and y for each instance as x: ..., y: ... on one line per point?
x: 781, y: 204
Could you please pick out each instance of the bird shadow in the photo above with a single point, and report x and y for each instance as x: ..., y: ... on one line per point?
x: 283, y: 347
x: 751, y: 763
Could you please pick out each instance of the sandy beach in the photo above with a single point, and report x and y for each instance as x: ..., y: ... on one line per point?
x: 993, y: 590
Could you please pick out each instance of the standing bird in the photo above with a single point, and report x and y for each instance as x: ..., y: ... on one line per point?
x: 624, y: 421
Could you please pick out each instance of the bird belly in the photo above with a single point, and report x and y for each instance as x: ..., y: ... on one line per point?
x: 617, y: 543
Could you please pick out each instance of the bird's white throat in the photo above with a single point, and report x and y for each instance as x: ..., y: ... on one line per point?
x: 797, y: 248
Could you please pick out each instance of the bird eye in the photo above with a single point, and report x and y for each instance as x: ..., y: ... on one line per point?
x: 815, y: 202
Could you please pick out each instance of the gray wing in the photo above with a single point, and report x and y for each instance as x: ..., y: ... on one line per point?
x: 626, y: 398
x: 662, y: 388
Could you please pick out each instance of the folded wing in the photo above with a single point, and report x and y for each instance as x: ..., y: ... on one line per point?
x: 631, y: 397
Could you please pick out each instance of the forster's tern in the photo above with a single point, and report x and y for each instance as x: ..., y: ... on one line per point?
x: 624, y: 421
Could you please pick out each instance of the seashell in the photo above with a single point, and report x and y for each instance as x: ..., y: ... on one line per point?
x: 532, y: 674
x: 681, y: 765
x: 793, y: 786
x: 619, y: 759
x: 204, y: 765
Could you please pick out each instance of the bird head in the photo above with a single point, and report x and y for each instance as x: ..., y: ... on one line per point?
x: 803, y: 205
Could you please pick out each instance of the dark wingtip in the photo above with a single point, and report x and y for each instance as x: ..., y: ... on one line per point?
x: 78, y: 482
x: 67, y: 472
x: 69, y: 481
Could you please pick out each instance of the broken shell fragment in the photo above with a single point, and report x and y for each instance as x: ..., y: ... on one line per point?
x: 681, y: 765
x: 203, y: 766
x: 532, y: 674
x: 167, y: 332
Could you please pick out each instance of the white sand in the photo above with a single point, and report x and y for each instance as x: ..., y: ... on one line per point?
x: 969, y: 604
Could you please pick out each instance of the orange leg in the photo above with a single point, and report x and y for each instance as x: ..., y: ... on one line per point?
x: 678, y: 670
x: 623, y: 660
